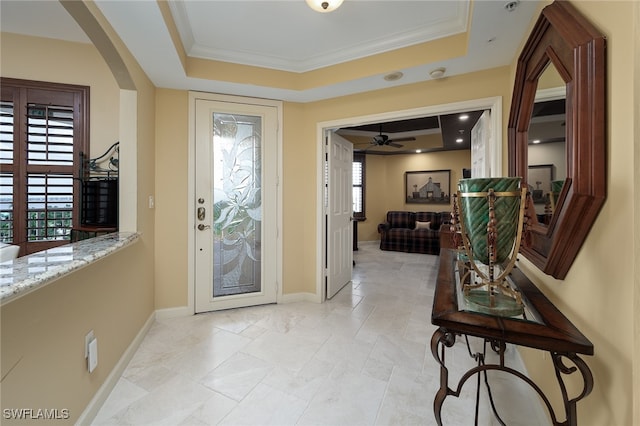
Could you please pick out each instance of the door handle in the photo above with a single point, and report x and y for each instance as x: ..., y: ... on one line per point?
x: 201, y: 213
x: 202, y: 227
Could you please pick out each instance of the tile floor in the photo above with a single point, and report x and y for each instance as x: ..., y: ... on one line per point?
x: 362, y: 358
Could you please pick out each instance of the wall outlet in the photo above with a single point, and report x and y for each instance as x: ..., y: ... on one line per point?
x: 87, y: 339
x: 152, y: 202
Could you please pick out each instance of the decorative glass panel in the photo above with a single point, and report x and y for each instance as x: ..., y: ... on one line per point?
x: 237, y: 208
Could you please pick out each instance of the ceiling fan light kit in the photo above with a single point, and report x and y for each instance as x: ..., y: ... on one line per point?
x: 384, y: 140
x: 324, y: 6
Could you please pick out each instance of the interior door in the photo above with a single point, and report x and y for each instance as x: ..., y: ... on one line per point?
x: 339, y: 213
x: 480, y: 147
x: 235, y: 205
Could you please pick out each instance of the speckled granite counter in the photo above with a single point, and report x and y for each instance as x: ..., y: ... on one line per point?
x: 25, y: 274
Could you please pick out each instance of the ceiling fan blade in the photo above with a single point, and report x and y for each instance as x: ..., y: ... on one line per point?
x: 409, y: 138
x: 395, y: 145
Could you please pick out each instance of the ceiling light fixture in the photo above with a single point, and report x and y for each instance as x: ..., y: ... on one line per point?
x: 393, y: 76
x: 418, y: 151
x: 463, y: 117
x: 459, y: 140
x: 437, y: 73
x: 324, y: 5
x: 536, y: 141
x: 511, y: 6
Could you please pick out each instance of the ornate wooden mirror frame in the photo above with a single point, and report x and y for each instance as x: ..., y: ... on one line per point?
x: 564, y: 38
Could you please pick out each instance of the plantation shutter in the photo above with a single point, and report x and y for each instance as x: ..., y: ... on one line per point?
x: 6, y: 166
x: 49, y: 134
x: 358, y: 185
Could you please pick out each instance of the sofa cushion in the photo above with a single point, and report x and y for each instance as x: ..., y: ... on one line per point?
x: 425, y: 241
x: 398, y: 239
x: 401, y: 219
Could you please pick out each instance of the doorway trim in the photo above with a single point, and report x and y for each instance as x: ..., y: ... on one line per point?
x: 191, y: 188
x: 494, y: 104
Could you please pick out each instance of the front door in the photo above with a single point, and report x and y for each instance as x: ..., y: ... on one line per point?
x: 339, y: 213
x: 235, y: 204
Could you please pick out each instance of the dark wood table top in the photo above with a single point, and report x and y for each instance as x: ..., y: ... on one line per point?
x: 545, y: 327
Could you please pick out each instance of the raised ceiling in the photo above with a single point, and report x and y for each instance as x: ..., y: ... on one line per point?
x: 447, y: 132
x: 284, y: 50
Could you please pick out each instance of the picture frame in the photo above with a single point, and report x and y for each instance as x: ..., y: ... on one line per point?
x: 428, y: 187
x: 539, y: 178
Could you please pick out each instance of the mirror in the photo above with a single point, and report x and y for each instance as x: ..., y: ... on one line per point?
x: 546, y: 151
x: 563, y: 42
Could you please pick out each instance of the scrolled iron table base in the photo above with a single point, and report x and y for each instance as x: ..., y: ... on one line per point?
x: 442, y: 339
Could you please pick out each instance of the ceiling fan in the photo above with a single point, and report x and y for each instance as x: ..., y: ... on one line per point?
x: 382, y: 140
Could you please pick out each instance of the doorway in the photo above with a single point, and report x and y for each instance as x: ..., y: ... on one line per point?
x: 493, y: 158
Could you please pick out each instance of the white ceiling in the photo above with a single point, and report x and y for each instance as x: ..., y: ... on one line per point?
x: 288, y: 35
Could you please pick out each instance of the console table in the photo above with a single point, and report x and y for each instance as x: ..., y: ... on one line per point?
x: 542, y: 327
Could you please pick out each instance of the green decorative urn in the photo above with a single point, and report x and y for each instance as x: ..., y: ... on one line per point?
x: 490, y: 216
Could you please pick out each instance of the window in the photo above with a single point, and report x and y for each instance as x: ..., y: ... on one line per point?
x: 358, y: 185
x: 43, y: 134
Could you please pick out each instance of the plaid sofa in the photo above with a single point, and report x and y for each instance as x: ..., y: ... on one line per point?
x: 412, y: 232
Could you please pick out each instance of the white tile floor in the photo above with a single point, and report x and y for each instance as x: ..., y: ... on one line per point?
x: 362, y: 358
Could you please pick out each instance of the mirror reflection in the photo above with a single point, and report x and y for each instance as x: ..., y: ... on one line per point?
x: 546, y: 153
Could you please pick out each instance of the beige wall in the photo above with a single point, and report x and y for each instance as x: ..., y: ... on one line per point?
x: 43, y: 364
x: 300, y: 163
x: 171, y: 198
x: 385, y: 177
x: 76, y: 63
x: 598, y: 292
x: 43, y: 333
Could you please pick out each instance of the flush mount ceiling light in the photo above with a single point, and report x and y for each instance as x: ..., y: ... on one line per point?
x: 324, y: 5
x: 393, y: 76
x: 463, y: 117
x: 437, y: 73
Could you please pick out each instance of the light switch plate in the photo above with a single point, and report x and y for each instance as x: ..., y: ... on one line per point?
x: 93, y: 355
x: 87, y: 339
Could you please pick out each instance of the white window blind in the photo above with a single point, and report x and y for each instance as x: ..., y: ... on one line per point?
x: 358, y: 185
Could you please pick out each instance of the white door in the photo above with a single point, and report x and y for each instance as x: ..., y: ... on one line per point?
x: 480, y: 147
x: 235, y: 204
x: 339, y: 213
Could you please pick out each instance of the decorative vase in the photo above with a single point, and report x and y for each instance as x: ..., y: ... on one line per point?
x: 491, y: 218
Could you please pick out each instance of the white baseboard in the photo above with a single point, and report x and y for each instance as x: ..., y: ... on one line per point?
x: 299, y: 297
x: 102, y: 394
x: 180, y: 311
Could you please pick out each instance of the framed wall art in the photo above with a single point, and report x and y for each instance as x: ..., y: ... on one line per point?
x: 428, y: 187
x: 539, y: 179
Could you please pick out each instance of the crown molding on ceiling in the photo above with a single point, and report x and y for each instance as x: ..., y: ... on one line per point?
x: 448, y: 26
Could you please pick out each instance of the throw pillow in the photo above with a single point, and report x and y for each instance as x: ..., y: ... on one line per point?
x: 423, y: 225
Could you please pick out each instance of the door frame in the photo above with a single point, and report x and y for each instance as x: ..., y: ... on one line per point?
x: 191, y: 187
x: 496, y: 147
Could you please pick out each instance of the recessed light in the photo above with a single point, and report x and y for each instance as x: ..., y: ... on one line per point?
x: 511, y: 6
x: 464, y: 117
x: 437, y: 73
x: 535, y: 141
x: 418, y: 151
x: 459, y: 140
x: 393, y: 76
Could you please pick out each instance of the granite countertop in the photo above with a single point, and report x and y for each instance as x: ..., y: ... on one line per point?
x: 28, y: 273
